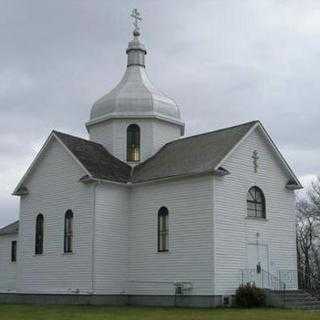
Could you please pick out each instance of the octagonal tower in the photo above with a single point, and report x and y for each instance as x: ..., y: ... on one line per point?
x: 135, y: 119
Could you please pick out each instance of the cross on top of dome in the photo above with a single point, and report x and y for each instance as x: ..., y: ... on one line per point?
x: 135, y: 14
x: 135, y: 96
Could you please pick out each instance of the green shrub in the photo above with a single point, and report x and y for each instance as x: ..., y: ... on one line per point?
x: 249, y: 296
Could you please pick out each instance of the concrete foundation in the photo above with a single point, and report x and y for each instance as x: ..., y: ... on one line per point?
x: 112, y: 300
x: 175, y: 301
x: 275, y: 298
x: 77, y: 299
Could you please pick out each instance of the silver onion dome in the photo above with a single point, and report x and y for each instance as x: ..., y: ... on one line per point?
x: 135, y: 96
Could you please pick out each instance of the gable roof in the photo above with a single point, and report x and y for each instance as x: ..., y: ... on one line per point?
x: 204, y: 153
x: 95, y: 160
x: 191, y: 155
x: 99, y: 163
x: 12, y: 228
x: 294, y: 182
x: 187, y: 156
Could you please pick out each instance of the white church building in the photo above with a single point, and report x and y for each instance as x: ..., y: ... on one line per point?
x: 141, y: 212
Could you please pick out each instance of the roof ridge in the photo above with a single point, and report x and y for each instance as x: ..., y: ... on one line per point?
x: 214, y: 131
x: 180, y: 139
x: 173, y: 141
x: 4, y: 230
x: 10, y: 224
x: 88, y: 141
x: 73, y: 136
x: 91, y: 142
x: 63, y: 137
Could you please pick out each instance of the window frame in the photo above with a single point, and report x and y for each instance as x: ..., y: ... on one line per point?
x: 163, y: 229
x: 256, y: 203
x: 68, y: 232
x: 133, y: 138
x: 14, y: 251
x: 39, y: 234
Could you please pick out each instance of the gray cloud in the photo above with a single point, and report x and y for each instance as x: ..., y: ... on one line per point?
x: 224, y: 62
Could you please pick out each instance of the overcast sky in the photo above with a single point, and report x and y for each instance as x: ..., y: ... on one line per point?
x: 224, y: 62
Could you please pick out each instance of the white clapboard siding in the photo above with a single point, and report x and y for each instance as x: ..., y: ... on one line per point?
x: 233, y: 230
x: 54, y: 187
x: 8, y: 269
x: 103, y: 133
x: 115, y: 227
x: 120, y: 137
x: 163, y: 133
x: 190, y: 255
x: 154, y: 134
x: 111, y: 239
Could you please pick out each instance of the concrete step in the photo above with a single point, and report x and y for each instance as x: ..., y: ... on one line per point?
x: 298, y: 299
x: 309, y: 307
x: 303, y: 303
x: 295, y: 291
x: 300, y: 302
x: 301, y: 298
x: 297, y: 294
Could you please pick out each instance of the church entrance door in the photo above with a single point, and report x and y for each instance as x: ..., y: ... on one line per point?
x: 258, y: 264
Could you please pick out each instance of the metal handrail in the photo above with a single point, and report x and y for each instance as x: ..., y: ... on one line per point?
x: 274, y: 282
x: 306, y: 281
x: 262, y: 278
x: 265, y: 280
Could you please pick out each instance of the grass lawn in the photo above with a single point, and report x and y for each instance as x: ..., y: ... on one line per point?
x: 26, y: 312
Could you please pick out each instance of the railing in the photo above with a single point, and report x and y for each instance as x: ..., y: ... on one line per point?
x: 265, y: 280
x: 305, y: 281
x: 262, y: 279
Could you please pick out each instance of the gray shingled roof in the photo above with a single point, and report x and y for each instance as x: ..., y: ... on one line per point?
x: 185, y: 156
x: 12, y: 228
x: 191, y: 155
x: 96, y: 159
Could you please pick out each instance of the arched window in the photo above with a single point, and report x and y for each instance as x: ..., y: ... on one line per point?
x: 68, y: 231
x: 256, y: 204
x: 133, y: 143
x: 39, y: 234
x: 163, y: 229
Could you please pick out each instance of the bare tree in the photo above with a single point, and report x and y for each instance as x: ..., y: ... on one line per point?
x: 308, y: 234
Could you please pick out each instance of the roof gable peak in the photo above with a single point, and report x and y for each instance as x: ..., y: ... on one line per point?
x: 96, y: 162
x: 249, y: 123
x: 294, y: 181
x: 52, y: 137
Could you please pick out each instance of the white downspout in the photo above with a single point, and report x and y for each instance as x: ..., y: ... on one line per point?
x: 214, y: 234
x: 93, y: 236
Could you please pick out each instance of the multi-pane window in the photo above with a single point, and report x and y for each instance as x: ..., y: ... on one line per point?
x: 163, y: 229
x: 256, y: 206
x: 13, y: 251
x: 39, y: 235
x: 68, y: 231
x: 133, y: 143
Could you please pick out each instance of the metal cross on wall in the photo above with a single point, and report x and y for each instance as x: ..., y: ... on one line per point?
x: 137, y: 17
x: 255, y: 158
